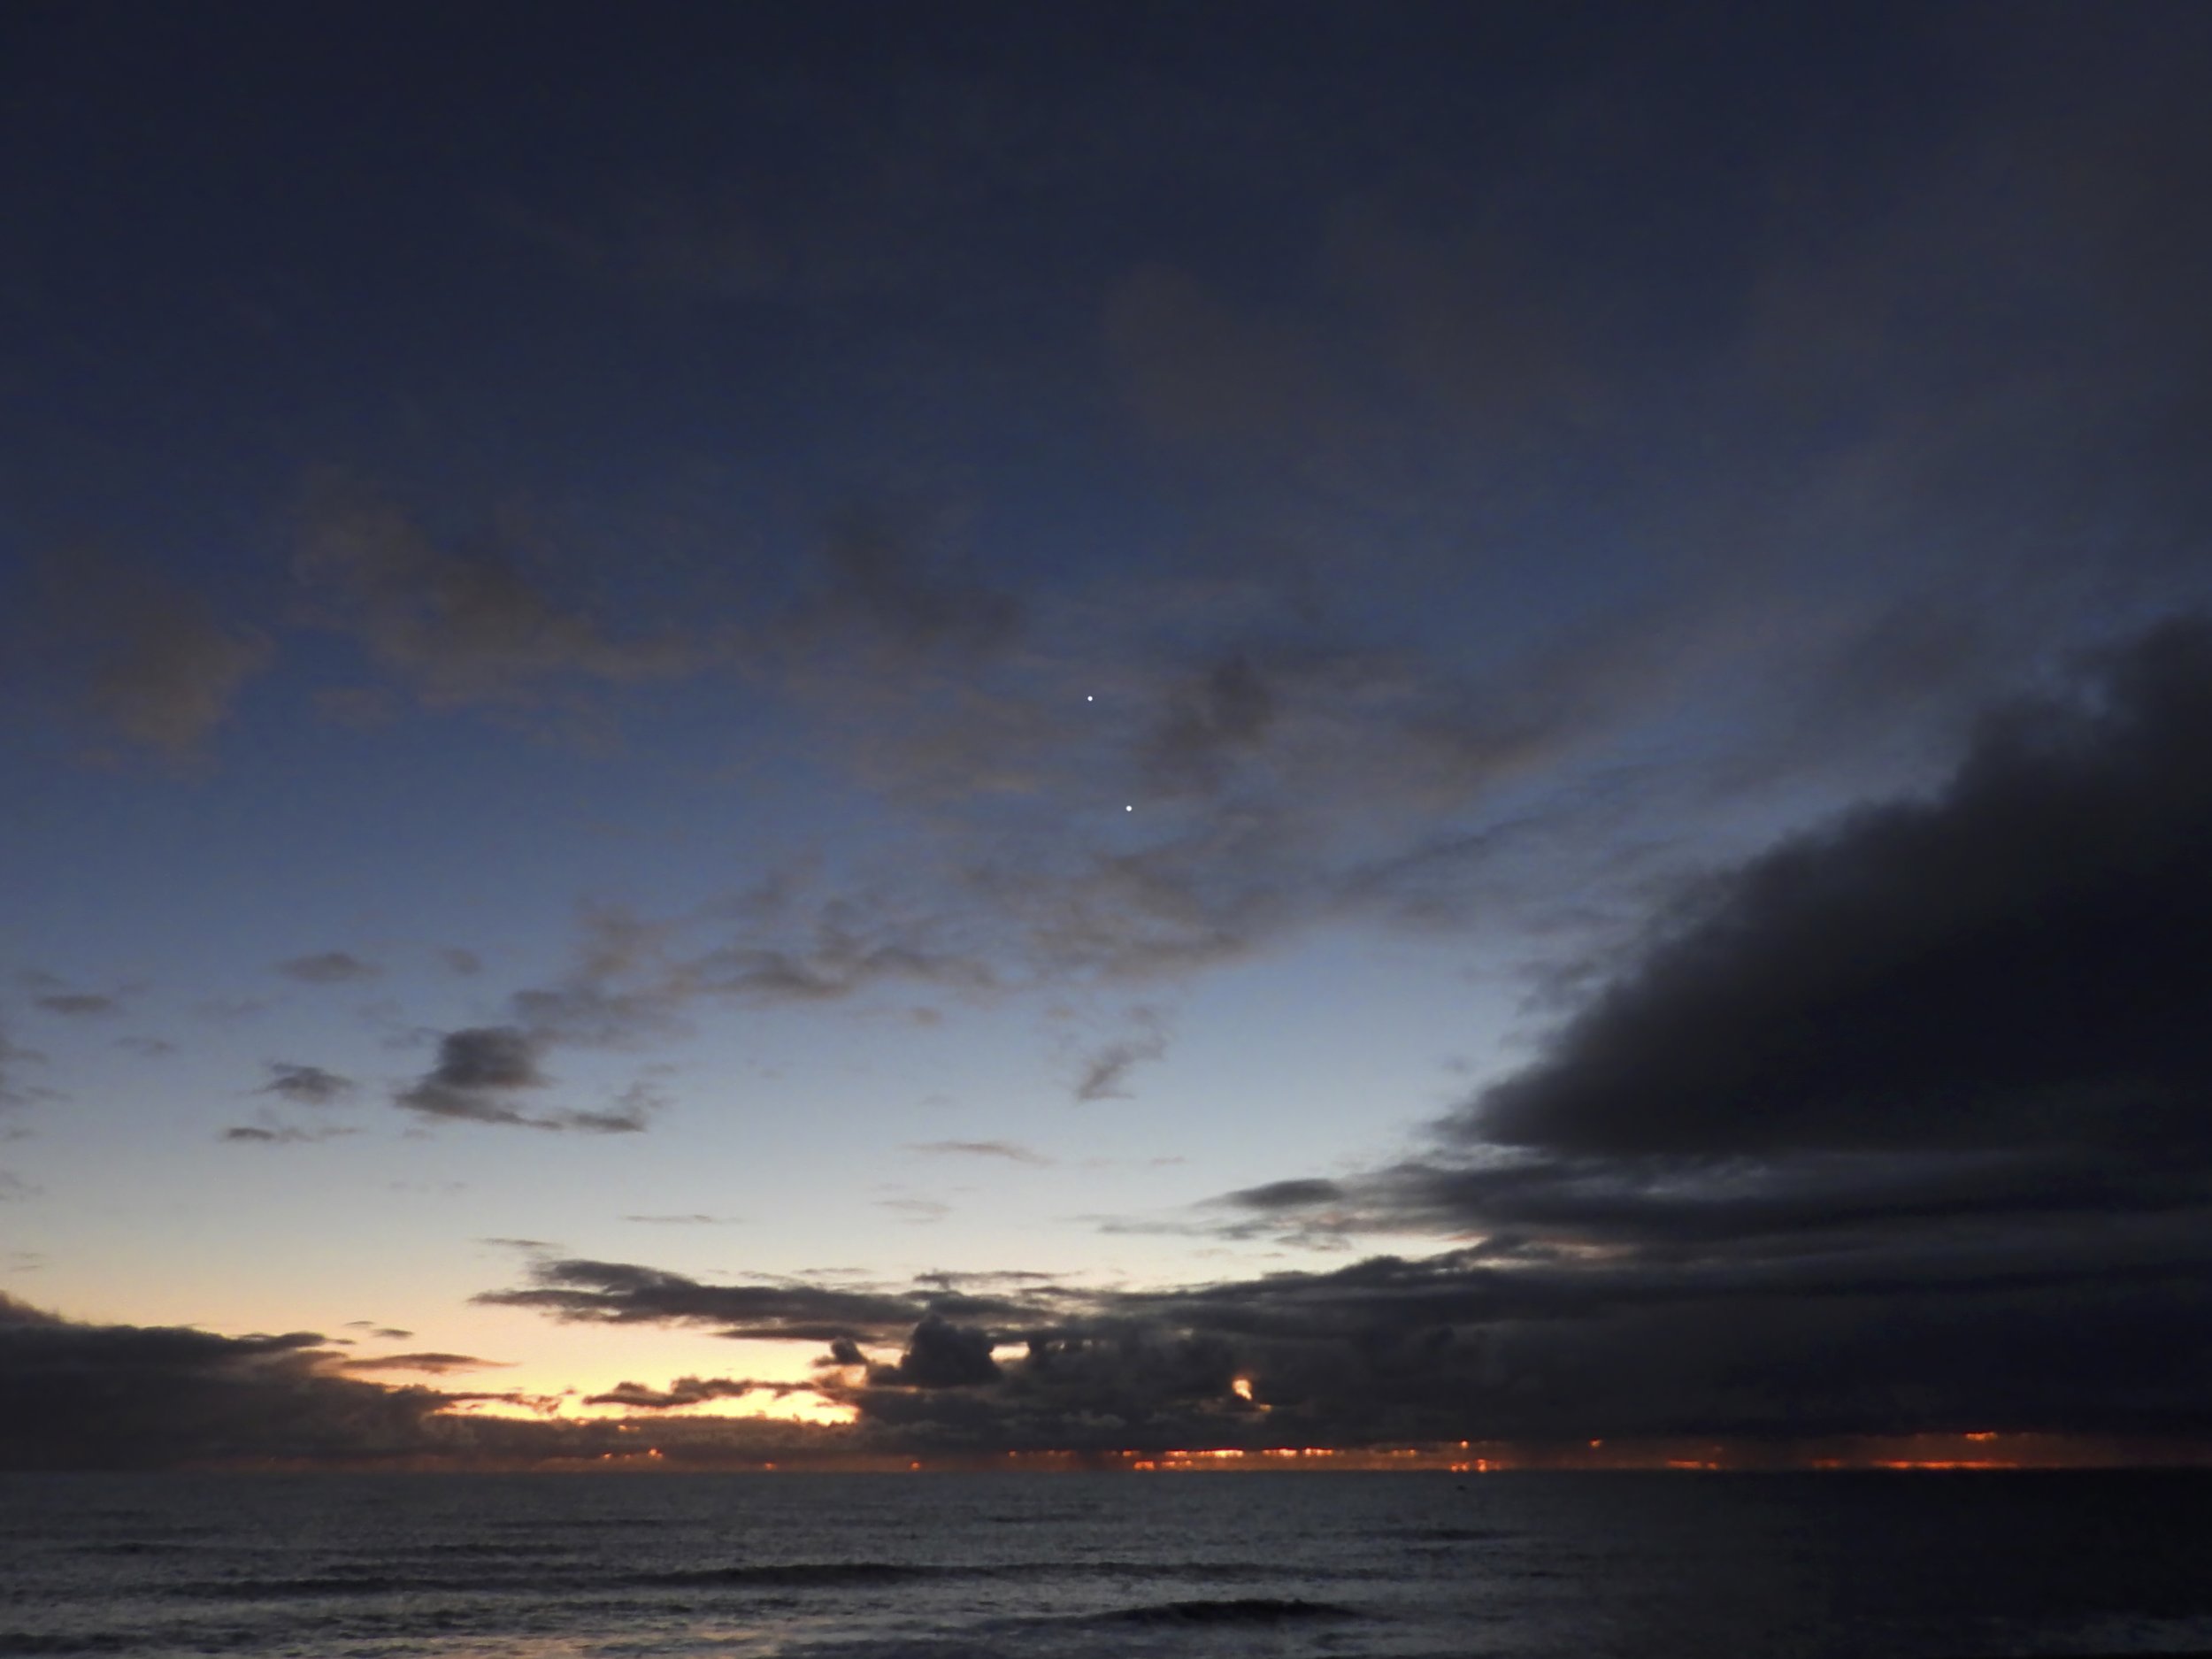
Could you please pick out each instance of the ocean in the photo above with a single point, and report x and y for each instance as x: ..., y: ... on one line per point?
x: 1072, y: 1566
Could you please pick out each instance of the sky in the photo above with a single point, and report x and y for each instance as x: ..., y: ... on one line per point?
x: 868, y: 731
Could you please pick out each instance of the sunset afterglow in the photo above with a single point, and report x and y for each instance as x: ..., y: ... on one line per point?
x: 1435, y: 738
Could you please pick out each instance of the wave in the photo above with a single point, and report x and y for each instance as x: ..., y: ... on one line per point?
x: 334, y: 1585
x: 1246, y: 1610
x: 1453, y: 1534
x: 766, y: 1575
x: 556, y: 1575
x: 791, y: 1575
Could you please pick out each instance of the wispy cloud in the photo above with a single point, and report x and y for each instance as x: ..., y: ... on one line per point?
x: 1012, y: 1151
x: 306, y: 1085
x: 454, y: 628
x: 329, y: 967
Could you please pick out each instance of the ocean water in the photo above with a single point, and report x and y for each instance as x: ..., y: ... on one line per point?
x: 1040, y: 1566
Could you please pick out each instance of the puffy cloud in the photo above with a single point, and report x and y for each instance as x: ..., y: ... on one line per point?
x: 484, y: 1073
x: 942, y: 1354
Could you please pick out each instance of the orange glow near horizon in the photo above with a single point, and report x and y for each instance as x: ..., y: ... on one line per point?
x: 1983, y: 1451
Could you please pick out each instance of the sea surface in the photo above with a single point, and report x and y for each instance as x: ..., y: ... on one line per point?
x: 1067, y: 1566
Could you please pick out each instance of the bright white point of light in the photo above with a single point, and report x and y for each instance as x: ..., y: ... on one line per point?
x: 1242, y: 1387
x: 1088, y: 698
x: 1129, y: 809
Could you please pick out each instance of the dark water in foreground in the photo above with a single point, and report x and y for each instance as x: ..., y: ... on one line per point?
x: 1074, y: 1566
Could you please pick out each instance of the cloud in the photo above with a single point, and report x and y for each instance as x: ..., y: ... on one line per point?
x: 458, y: 629
x: 941, y: 1354
x: 329, y: 967
x: 694, y: 1219
x: 1012, y: 1151
x: 78, y: 1005
x: 916, y: 1211
x: 2015, y: 966
x: 1197, y: 372
x: 158, y: 666
x: 382, y: 1333
x: 465, y: 963
x: 306, y: 1085
x: 227, y: 1008
x: 883, y: 582
x: 83, y: 1396
x: 1899, y: 1126
x: 1481, y: 1342
x: 616, y: 1292
x: 77, y: 1397
x: 282, y: 1134
x: 433, y: 1364
x: 691, y: 1391
x: 1875, y: 1119
x: 172, y: 681
x: 13, y: 1055
x: 1290, y: 1194
x: 851, y: 945
x: 631, y: 1114
x: 484, y: 1073
x: 1105, y: 1074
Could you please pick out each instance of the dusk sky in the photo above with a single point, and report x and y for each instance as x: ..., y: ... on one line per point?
x: 978, y: 727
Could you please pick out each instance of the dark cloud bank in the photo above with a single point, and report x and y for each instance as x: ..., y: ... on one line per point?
x: 85, y: 1396
x: 1902, y: 1126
